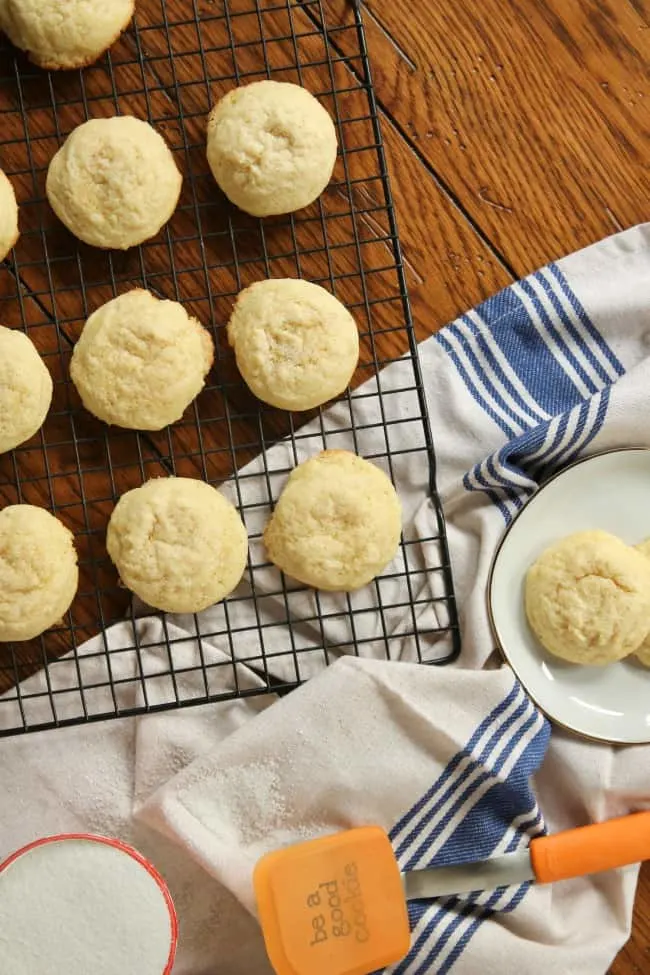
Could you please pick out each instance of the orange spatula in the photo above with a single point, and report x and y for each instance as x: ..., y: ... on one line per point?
x: 337, y: 905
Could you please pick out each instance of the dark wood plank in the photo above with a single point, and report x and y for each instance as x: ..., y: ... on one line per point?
x: 534, y: 113
x: 642, y: 8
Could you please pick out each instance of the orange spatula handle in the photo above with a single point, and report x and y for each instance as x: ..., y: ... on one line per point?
x: 590, y: 849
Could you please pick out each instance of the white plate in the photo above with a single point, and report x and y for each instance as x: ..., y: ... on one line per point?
x: 609, y: 491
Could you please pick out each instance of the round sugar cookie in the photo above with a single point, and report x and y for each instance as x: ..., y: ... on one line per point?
x: 337, y: 523
x: 271, y: 147
x: 114, y: 182
x: 140, y: 361
x: 8, y: 215
x: 178, y: 544
x: 643, y: 653
x: 587, y: 598
x: 60, y: 34
x: 296, y: 345
x: 38, y: 571
x: 25, y: 389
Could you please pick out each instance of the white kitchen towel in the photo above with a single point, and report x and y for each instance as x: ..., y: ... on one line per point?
x: 371, y: 743
x: 555, y: 366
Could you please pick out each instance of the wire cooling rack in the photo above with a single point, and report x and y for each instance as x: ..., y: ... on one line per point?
x: 174, y: 62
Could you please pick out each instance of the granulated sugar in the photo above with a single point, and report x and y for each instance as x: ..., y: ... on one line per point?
x: 75, y: 907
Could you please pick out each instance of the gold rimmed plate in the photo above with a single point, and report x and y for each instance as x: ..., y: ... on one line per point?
x: 610, y: 491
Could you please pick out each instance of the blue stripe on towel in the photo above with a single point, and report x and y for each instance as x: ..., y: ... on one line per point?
x: 484, y: 914
x: 489, y: 349
x: 509, y: 799
x: 465, y: 803
x: 566, y: 340
x: 543, y: 382
x: 456, y: 772
x: 479, y: 395
x: 606, y: 372
x: 600, y: 410
x: 499, y: 473
x: 551, y: 362
x: 492, y: 495
x: 494, y: 715
x: 506, y: 318
x: 553, y: 449
x: 500, y: 901
x: 591, y: 330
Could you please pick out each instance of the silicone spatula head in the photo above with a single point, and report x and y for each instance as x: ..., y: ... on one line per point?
x: 333, y: 906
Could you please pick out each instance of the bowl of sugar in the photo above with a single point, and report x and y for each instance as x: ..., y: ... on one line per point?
x: 76, y: 903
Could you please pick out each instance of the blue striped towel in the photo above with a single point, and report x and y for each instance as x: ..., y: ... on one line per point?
x: 458, y: 764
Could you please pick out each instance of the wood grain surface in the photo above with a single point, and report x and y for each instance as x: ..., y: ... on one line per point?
x: 516, y: 131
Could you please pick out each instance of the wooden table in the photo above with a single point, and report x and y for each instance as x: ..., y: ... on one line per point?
x: 516, y: 132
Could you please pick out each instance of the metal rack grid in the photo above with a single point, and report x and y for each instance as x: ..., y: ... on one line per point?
x: 171, y: 65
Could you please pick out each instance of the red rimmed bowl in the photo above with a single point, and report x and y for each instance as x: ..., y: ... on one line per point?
x: 77, y: 903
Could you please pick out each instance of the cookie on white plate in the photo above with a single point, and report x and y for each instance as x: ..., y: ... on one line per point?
x: 271, y: 147
x: 114, y: 182
x: 643, y: 653
x: 587, y: 598
x: 60, y: 34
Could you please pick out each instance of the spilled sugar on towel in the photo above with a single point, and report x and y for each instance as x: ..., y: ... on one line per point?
x: 455, y: 763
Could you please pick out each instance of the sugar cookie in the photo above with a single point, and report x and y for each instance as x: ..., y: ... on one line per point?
x: 178, y: 544
x: 114, y: 182
x: 38, y: 571
x: 140, y: 361
x: 271, y: 147
x: 337, y: 523
x: 59, y: 34
x: 25, y: 389
x: 587, y: 598
x: 643, y: 653
x: 296, y: 345
x: 8, y: 216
